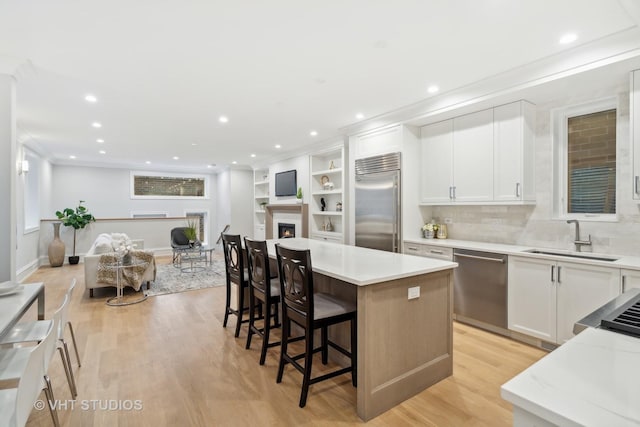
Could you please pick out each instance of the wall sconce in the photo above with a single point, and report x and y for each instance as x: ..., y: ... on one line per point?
x: 24, y: 167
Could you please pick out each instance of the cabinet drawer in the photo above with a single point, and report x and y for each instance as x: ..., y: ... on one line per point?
x: 331, y: 239
x: 438, y: 252
x: 413, y: 249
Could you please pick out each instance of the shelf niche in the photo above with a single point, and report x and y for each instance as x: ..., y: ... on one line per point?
x: 301, y: 208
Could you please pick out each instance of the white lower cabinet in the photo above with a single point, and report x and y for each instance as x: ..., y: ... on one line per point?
x: 428, y: 251
x: 630, y: 279
x: 546, y: 298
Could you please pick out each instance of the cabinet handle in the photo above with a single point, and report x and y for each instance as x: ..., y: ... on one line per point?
x: 433, y: 251
x: 624, y: 284
x: 412, y: 249
x: 454, y: 192
x: 553, y: 268
x: 559, y: 268
x: 450, y: 192
x: 636, y: 183
x: 517, y: 189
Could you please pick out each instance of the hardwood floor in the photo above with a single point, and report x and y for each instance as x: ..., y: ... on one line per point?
x: 171, y: 355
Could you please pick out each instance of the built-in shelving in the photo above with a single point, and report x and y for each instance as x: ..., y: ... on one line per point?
x: 327, y: 184
x: 260, y: 200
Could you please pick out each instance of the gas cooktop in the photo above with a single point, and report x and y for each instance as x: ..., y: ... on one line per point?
x: 625, y: 319
x: 621, y: 314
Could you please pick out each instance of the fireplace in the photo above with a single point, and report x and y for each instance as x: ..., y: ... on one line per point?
x: 286, y: 230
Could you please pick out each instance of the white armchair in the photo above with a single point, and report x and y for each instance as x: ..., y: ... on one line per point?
x: 104, y: 244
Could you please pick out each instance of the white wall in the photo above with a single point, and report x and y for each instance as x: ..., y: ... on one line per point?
x: 301, y: 165
x: 241, y: 187
x: 224, y: 207
x: 535, y: 225
x: 7, y: 178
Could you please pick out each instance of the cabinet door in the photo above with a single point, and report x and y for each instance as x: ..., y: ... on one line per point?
x: 436, y: 162
x: 581, y: 289
x: 507, y: 128
x: 532, y: 298
x: 635, y: 131
x: 473, y: 157
x: 630, y: 279
x: 383, y: 141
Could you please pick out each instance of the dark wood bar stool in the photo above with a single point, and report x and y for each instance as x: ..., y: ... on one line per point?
x: 264, y: 289
x: 310, y: 311
x: 236, y: 273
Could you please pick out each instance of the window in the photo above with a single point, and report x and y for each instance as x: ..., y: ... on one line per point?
x: 586, y: 160
x: 151, y: 185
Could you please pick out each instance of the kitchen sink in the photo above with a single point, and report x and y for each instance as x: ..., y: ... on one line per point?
x: 572, y: 255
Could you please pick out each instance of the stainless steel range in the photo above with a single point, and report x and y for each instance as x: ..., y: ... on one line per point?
x: 621, y: 314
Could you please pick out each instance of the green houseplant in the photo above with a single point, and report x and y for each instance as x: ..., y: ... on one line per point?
x: 190, y: 231
x: 77, y: 218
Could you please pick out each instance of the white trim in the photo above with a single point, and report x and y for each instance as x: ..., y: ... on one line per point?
x: 559, y: 117
x: 204, y: 177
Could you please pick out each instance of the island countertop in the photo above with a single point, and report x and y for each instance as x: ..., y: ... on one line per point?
x: 361, y: 266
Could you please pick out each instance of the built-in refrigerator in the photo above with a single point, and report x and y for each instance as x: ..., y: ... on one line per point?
x: 377, y: 202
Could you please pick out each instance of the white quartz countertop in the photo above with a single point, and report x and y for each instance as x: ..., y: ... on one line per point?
x: 591, y: 380
x: 622, y: 261
x: 361, y: 266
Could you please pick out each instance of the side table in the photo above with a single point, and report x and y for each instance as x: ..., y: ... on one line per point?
x: 119, y: 300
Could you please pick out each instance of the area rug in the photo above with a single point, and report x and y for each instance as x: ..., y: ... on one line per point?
x: 170, y: 279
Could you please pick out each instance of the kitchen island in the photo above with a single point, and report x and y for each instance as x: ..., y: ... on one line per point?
x: 404, y: 341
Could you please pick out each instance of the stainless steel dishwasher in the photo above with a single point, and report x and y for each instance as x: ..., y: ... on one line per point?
x: 480, y: 289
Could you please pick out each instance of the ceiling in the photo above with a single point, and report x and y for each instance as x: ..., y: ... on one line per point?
x: 165, y: 71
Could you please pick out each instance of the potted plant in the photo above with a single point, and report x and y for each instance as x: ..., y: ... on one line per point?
x: 77, y: 218
x: 263, y: 205
x: 299, y: 195
x: 191, y: 232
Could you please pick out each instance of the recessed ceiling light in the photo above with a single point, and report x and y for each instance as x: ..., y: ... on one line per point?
x: 102, y: 152
x: 359, y: 116
x: 100, y: 140
x: 91, y: 98
x: 223, y: 119
x: 193, y: 144
x: 433, y: 89
x: 313, y: 133
x: 96, y: 125
x: 278, y: 146
x: 176, y: 158
x: 234, y: 163
x: 253, y: 155
x: 72, y: 156
x: 568, y: 38
x: 212, y: 165
x: 148, y: 162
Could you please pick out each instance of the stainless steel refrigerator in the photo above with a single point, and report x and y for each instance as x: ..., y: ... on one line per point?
x: 377, y: 202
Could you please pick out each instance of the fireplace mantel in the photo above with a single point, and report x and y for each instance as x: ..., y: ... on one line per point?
x: 301, y: 208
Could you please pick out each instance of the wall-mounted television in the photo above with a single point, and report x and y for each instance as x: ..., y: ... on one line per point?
x: 286, y: 183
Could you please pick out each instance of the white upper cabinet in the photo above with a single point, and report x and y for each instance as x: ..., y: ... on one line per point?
x: 635, y: 131
x: 473, y: 157
x: 437, y: 162
x: 382, y: 141
x: 514, y: 151
x: 480, y: 158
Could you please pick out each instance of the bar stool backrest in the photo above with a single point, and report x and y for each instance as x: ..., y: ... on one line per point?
x: 296, y: 283
x: 233, y: 259
x: 258, y: 265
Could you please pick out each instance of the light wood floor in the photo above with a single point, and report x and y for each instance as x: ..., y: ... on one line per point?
x: 172, y: 354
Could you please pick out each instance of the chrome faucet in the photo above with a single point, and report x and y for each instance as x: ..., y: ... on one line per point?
x: 579, y: 243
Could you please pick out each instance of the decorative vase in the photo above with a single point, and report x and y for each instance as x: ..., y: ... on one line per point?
x: 56, y: 247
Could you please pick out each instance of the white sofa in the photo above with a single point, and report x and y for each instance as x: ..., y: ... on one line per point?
x: 107, y: 243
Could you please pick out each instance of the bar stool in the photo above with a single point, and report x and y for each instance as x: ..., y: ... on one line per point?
x: 310, y: 311
x: 263, y: 289
x: 236, y: 273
